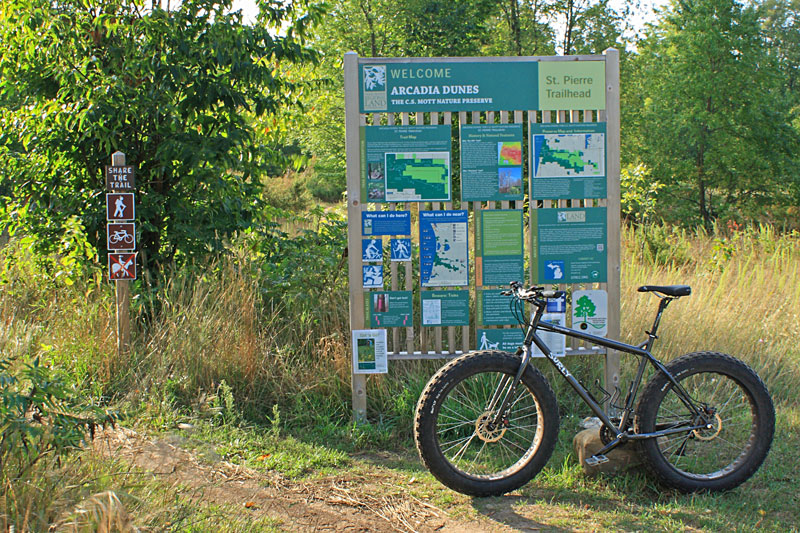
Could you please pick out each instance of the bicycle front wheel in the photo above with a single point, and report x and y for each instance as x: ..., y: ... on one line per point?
x: 455, y: 432
x: 733, y: 401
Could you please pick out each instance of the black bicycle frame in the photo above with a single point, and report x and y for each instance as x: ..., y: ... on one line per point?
x: 620, y: 432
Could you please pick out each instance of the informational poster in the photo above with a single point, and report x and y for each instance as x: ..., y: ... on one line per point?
x: 570, y: 245
x: 556, y: 342
x: 369, y: 351
x: 390, y: 309
x: 372, y: 276
x: 443, y: 248
x: 494, y: 309
x: 405, y: 163
x: 400, y: 249
x: 501, y: 247
x: 385, y: 223
x: 506, y: 340
x: 590, y: 311
x: 568, y: 160
x: 491, y: 162
x: 445, y: 308
x: 372, y: 250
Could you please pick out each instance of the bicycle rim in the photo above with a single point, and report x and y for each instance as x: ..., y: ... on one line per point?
x: 716, y: 451
x: 465, y: 435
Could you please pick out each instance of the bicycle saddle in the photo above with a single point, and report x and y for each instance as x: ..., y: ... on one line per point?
x: 669, y: 290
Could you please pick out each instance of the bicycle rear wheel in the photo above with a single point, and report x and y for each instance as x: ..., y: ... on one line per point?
x: 738, y: 407
x: 454, y: 431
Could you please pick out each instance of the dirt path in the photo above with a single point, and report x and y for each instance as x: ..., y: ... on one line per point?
x: 378, y: 502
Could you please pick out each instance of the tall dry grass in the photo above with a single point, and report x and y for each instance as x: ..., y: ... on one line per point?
x: 745, y: 298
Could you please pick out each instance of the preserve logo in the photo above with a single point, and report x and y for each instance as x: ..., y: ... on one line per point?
x: 374, y: 79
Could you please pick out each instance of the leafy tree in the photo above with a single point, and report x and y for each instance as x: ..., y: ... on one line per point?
x: 176, y: 91
x: 523, y: 27
x: 705, y: 112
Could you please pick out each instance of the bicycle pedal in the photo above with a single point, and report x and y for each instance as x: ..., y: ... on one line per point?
x: 596, y: 460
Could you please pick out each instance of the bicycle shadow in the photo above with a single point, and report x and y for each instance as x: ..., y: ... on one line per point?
x: 502, y: 511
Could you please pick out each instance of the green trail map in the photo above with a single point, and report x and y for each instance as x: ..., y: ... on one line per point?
x: 570, y: 155
x: 568, y: 160
x: 417, y: 176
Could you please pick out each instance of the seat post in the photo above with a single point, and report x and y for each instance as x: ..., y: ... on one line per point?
x: 652, y: 334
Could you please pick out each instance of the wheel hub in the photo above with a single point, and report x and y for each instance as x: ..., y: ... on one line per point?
x: 486, y: 430
x: 710, y: 433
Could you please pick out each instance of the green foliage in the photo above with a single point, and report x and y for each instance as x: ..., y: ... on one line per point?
x: 705, y: 112
x: 41, y: 414
x: 308, y: 264
x: 639, y: 190
x: 174, y: 90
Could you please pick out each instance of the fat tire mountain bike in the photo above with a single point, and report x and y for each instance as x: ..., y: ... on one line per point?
x: 487, y: 422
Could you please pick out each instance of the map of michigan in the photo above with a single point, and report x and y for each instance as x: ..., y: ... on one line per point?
x: 415, y: 176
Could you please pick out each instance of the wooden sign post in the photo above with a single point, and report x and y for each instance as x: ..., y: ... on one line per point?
x: 117, y: 181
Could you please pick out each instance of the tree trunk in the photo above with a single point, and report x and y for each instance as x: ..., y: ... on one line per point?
x: 371, y: 24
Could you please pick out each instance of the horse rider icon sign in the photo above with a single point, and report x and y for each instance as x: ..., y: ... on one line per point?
x: 122, y: 266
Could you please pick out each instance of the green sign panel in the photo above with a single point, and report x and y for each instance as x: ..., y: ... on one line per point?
x: 501, y: 246
x: 568, y: 160
x: 507, y: 340
x: 405, y: 163
x: 491, y: 162
x: 494, y: 309
x: 445, y: 308
x: 462, y: 85
x: 572, y: 85
x: 570, y: 245
x: 389, y: 309
x: 474, y: 84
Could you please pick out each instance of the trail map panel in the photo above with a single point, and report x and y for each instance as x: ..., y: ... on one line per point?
x: 568, y: 160
x: 444, y: 250
x: 406, y: 163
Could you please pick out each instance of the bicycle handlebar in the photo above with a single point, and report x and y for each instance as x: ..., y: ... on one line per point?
x: 531, y: 294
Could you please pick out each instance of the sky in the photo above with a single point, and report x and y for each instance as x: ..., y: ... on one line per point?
x: 642, y: 15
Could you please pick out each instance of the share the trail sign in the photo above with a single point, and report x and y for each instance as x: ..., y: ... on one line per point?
x: 120, y: 178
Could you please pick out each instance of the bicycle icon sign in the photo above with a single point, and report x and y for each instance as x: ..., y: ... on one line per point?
x: 122, y: 266
x: 121, y: 236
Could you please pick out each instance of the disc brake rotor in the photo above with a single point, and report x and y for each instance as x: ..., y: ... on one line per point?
x: 485, y: 432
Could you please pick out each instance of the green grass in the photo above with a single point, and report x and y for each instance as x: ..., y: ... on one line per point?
x: 212, y: 350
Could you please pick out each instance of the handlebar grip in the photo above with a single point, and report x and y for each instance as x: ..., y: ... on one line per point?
x: 506, y: 293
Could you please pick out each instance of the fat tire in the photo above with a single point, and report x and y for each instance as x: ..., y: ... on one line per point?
x: 435, y: 393
x: 762, y: 429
